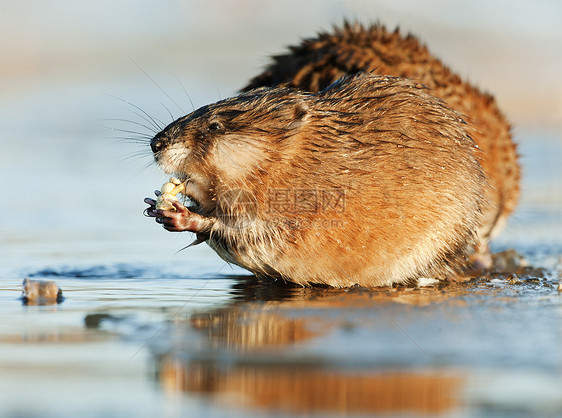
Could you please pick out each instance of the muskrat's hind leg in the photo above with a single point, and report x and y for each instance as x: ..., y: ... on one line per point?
x: 481, y: 259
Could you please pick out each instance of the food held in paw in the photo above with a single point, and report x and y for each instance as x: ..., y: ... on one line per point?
x: 169, y: 193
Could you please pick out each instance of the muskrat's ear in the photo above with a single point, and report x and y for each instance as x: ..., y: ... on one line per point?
x: 299, y: 115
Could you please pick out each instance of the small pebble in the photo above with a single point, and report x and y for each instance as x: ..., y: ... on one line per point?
x: 512, y: 279
x: 36, y: 292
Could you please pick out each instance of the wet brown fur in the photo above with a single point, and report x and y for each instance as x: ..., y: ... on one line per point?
x: 318, y: 62
x: 403, y: 160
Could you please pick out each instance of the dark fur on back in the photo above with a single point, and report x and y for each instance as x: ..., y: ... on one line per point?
x: 317, y: 62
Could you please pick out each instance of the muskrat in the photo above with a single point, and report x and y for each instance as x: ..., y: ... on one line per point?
x: 318, y: 62
x: 372, y: 181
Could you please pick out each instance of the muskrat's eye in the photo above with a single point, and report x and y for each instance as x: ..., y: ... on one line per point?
x: 215, y: 126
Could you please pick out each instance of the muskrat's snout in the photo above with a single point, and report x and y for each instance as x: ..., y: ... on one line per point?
x: 170, y: 148
x: 159, y: 142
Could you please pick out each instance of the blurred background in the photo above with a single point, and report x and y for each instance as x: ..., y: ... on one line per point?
x: 67, y: 68
x: 510, y: 48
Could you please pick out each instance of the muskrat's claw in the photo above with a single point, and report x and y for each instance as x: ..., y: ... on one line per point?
x: 197, y: 241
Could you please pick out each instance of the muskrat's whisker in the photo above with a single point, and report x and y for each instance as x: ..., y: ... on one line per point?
x: 186, y: 93
x: 168, y: 110
x: 157, y: 123
x: 135, y: 139
x: 218, y: 90
x: 158, y: 86
x: 132, y: 122
x: 126, y: 131
x: 131, y: 140
x: 139, y: 155
x: 135, y: 157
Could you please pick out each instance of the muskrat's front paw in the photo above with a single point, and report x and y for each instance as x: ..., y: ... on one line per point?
x: 176, y: 219
x: 179, y: 219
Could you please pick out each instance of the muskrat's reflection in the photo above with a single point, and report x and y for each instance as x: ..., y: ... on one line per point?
x: 302, y: 388
x: 244, y: 329
x: 247, y: 356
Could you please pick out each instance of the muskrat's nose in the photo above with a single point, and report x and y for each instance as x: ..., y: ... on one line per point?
x: 158, y: 143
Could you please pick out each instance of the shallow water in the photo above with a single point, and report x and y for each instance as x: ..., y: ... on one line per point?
x: 138, y: 341
x: 148, y: 330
